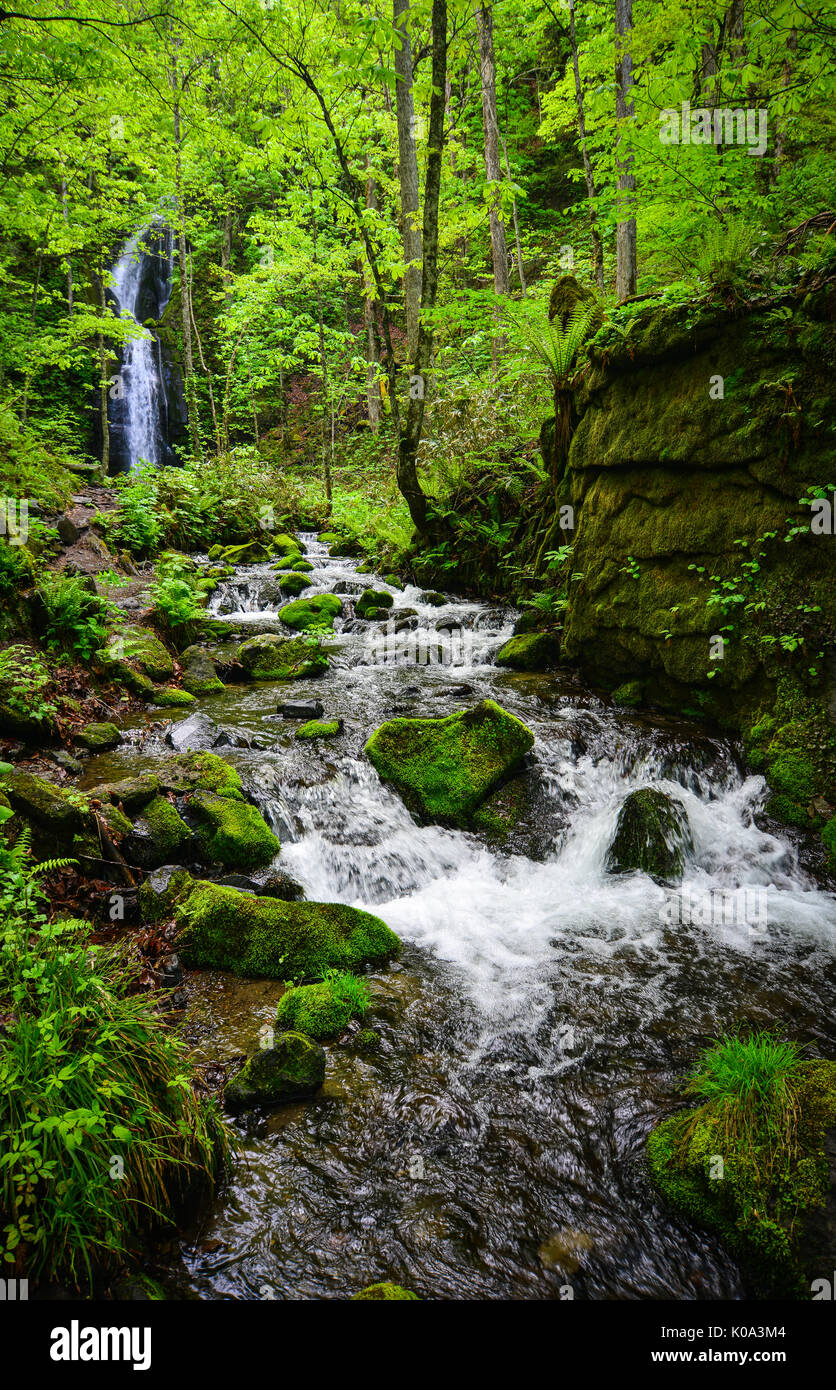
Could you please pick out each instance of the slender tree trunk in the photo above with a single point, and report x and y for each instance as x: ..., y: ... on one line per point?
x: 206, y: 372
x: 182, y: 261
x: 626, y: 267
x: 103, y: 378
x: 226, y: 255
x: 69, y: 260
x: 410, y: 439
x: 372, y: 347
x: 493, y: 169
x: 323, y: 361
x: 32, y: 311
x: 408, y: 174
x: 591, y: 191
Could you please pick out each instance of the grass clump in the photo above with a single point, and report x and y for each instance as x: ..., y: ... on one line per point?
x: 325, y: 1009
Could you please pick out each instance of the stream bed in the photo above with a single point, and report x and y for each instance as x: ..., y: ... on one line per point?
x: 542, y: 1012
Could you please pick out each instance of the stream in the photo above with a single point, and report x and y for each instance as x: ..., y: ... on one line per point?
x: 542, y: 1012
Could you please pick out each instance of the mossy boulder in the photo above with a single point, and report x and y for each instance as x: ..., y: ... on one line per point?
x: 294, y: 583
x: 321, y: 1010
x: 158, y: 835
x: 318, y: 728
x: 98, y: 738
x: 533, y: 651
x: 47, y: 805
x: 309, y: 614
x: 373, y: 603
x: 199, y: 674
x: 445, y: 768
x: 224, y: 929
x: 385, y: 1293
x: 629, y: 694
x: 143, y: 649
x: 199, y: 772
x: 231, y: 832
x: 652, y: 834
x: 330, y: 538
x: 131, y: 791
x: 114, y: 668
x: 172, y: 697
x: 162, y: 891
x: 765, y: 1202
x: 292, y: 1069
x: 270, y: 657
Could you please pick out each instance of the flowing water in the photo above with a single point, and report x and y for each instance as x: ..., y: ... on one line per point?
x: 542, y: 1011
x: 137, y: 408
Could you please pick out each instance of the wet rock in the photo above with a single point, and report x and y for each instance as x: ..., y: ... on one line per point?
x: 315, y: 728
x: 171, y: 971
x: 652, y: 835
x: 535, y: 651
x: 199, y: 674
x: 629, y: 694
x: 316, y: 613
x: 434, y: 599
x: 68, y: 531
x: 98, y: 738
x: 294, y: 583
x: 65, y: 760
x: 448, y: 625
x: 280, y: 885
x: 45, y: 803
x: 142, y: 648
x: 172, y: 697
x: 273, y: 939
x: 157, y: 835
x: 162, y: 890
x: 132, y: 791
x: 301, y: 709
x: 192, y: 734
x: 445, y: 768
x: 292, y: 1069
x: 232, y: 833
x: 407, y: 624
x: 373, y: 604
x: 200, y: 771
x: 273, y: 658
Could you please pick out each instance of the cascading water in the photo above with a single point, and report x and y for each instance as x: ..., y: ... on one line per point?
x: 138, y: 408
x: 543, y: 1009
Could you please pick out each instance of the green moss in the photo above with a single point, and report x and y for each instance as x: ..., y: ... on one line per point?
x: 793, y: 774
x: 171, y: 696
x: 273, y: 658
x: 652, y: 835
x: 310, y: 614
x: 168, y: 830
x: 131, y: 791
x: 366, y: 1040
x: 97, y: 738
x: 199, y: 674
x: 161, y: 893
x: 294, y: 583
x: 144, y: 649
x: 63, y: 812
x: 629, y: 694
x: 329, y: 538
x: 445, y: 768
x: 828, y: 836
x: 266, y: 937
x: 759, y: 1206
x: 321, y: 1010
x: 389, y: 1293
x: 200, y: 771
x: 316, y: 728
x: 790, y: 812
x: 371, y: 601
x: 534, y: 651
x: 292, y: 1069
x: 232, y: 833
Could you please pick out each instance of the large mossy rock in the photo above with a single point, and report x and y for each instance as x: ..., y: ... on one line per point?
x: 767, y: 1212
x: 310, y: 614
x: 373, y: 603
x: 652, y: 834
x: 171, y: 697
x: 143, y: 649
x: 158, y: 835
x: 224, y: 929
x: 292, y: 1069
x: 533, y: 651
x: 321, y: 1010
x: 131, y: 791
x: 273, y: 658
x: 199, y: 772
x: 445, y: 768
x: 294, y: 582
x: 51, y: 807
x: 98, y: 738
x: 162, y: 890
x: 231, y: 832
x: 199, y: 674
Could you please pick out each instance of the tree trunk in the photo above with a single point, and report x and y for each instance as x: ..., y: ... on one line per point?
x: 100, y: 342
x: 182, y: 261
x: 410, y: 439
x: 408, y: 175
x: 372, y: 346
x: 591, y: 191
x: 626, y: 269
x: 493, y: 168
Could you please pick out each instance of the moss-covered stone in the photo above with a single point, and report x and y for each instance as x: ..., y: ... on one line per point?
x: 199, y: 674
x: 371, y: 601
x: 200, y: 772
x: 445, y: 768
x: 231, y: 832
x: 310, y: 614
x: 652, y: 835
x: 142, y: 648
x: 131, y: 791
x: 760, y: 1206
x: 269, y: 938
x: 64, y: 812
x: 273, y: 658
x: 159, y: 835
x: 162, y: 891
x: 172, y: 697
x: 534, y: 651
x: 387, y: 1293
x: 321, y: 1010
x: 630, y: 694
x: 97, y: 738
x: 317, y: 728
x: 292, y: 1069
x: 828, y: 836
x: 293, y: 582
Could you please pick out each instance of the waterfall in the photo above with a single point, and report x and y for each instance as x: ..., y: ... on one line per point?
x: 140, y: 405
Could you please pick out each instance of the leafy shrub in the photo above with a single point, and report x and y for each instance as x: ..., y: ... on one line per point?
x: 23, y: 679
x: 75, y: 618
